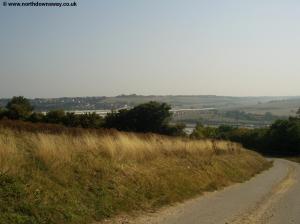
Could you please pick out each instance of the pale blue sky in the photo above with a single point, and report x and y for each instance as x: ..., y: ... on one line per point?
x: 222, y: 47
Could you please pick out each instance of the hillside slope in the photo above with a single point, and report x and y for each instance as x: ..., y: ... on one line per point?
x: 51, y: 178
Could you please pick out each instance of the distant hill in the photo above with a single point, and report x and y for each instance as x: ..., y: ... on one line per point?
x: 287, y: 107
x: 276, y: 105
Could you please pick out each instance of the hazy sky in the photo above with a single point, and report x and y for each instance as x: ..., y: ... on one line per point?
x: 222, y: 47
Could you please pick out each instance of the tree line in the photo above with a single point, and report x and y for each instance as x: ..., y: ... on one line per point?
x: 148, y: 117
x: 282, y: 138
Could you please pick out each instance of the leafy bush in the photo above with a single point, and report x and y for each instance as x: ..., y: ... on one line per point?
x: 2, y: 113
x: 19, y: 108
x: 202, y: 132
x: 55, y: 117
x: 20, y: 126
x: 281, y: 138
x: 148, y: 117
x: 284, y: 136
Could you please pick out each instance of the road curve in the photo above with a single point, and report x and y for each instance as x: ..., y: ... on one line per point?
x: 272, y: 197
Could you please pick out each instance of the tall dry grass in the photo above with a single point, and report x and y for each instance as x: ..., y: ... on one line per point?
x: 10, y: 156
x: 65, y: 178
x: 54, y: 150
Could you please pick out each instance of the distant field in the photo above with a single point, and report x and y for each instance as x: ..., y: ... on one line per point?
x: 177, y: 102
x: 279, y: 107
x: 276, y: 107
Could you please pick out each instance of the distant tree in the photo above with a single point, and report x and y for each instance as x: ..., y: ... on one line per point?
x: 284, y: 136
x: 19, y: 108
x: 225, y: 128
x: 118, y: 120
x: 298, y: 112
x: 71, y: 120
x: 175, y: 130
x: 36, y: 117
x: 148, y: 117
x: 202, y: 132
x: 90, y: 120
x: 268, y: 116
x: 55, y: 117
x: 224, y: 131
x: 87, y: 120
x: 250, y: 138
x: 3, y: 113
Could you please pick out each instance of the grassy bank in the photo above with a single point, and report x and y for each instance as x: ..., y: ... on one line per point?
x: 294, y: 159
x: 51, y: 178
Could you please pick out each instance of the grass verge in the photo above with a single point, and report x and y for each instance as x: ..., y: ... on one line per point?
x: 294, y: 159
x: 62, y: 178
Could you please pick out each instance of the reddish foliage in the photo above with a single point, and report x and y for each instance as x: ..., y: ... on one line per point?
x: 20, y: 126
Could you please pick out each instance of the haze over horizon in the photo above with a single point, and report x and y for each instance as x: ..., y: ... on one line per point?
x: 155, y: 95
x: 172, y: 47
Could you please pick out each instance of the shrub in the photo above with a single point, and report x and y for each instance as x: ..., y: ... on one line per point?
x: 148, y: 117
x: 55, y: 117
x: 19, y: 108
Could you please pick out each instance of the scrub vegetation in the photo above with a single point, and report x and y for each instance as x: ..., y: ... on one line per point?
x: 88, y: 176
x: 281, y: 139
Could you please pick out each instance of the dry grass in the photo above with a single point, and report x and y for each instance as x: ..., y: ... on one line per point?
x: 55, y: 150
x: 71, y: 179
x: 10, y: 157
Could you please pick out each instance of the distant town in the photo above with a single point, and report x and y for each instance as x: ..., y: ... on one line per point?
x: 209, y: 110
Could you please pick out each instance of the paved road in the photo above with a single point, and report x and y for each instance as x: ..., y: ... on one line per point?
x: 272, y: 197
